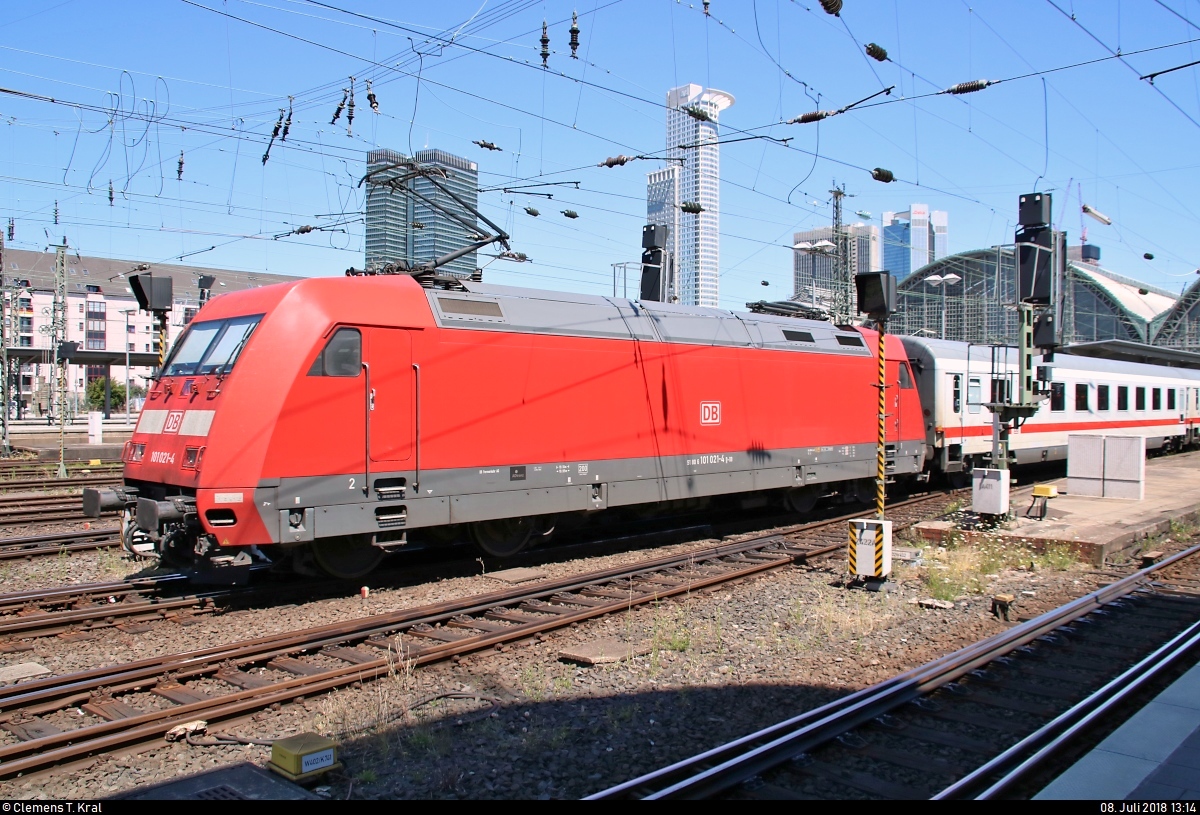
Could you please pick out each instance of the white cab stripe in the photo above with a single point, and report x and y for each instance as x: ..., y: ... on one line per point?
x: 151, y: 421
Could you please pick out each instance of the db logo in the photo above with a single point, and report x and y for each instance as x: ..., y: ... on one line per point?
x: 174, y: 420
x: 710, y: 413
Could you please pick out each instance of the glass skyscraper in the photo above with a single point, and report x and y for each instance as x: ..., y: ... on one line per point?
x: 403, y: 227
x: 913, y: 238
x: 693, y: 175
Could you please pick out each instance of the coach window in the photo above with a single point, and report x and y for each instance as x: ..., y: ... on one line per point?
x: 956, y: 393
x: 1058, y: 396
x: 1170, y: 398
x: 1102, y: 397
x: 1139, y: 399
x: 974, y: 394
x: 1122, y: 397
x: 1081, y: 396
x: 342, y: 355
x: 1156, y: 399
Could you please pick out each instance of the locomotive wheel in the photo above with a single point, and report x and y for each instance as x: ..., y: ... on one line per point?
x: 801, y: 500
x: 346, y: 557
x: 504, y: 537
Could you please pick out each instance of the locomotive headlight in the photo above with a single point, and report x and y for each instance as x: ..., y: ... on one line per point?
x: 136, y: 452
x: 192, y: 456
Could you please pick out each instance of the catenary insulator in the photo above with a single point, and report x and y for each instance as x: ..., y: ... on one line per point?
x: 880, y: 174
x: 615, y: 161
x: 303, y: 230
x: 809, y: 118
x: 545, y: 46
x: 287, y: 125
x: 56, y: 213
x: 691, y: 208
x: 12, y: 229
x: 696, y: 112
x: 179, y: 168
x: 350, y: 109
x: 833, y: 7
x: 575, y: 34
x: 876, y: 52
x: 110, y: 192
x: 278, y: 126
x: 969, y: 87
x: 371, y: 100
x: 337, y: 113
x: 706, y: 12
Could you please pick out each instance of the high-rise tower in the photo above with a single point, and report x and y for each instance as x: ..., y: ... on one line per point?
x: 914, y: 238
x: 692, y: 177
x: 402, y: 226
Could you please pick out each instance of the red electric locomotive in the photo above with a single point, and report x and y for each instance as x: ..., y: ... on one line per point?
x: 331, y: 417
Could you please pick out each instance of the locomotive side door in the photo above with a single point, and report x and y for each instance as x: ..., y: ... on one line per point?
x: 390, y: 400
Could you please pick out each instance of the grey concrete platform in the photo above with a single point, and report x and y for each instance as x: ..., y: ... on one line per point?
x: 239, y: 782
x: 1101, y: 529
x: 1155, y: 756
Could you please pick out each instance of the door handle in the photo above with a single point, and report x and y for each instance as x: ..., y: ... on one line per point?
x: 372, y: 407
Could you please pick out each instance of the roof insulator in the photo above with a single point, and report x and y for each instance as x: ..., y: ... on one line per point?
x: 885, y: 176
x: 575, y: 33
x: 809, y: 118
x: 969, y: 87
x: 545, y: 46
x: 876, y: 52
x: 691, y: 208
x: 833, y: 7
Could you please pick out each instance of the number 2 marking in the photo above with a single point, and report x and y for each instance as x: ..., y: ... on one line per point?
x: 351, y: 484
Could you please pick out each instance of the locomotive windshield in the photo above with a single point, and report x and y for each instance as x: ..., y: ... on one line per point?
x: 211, y: 347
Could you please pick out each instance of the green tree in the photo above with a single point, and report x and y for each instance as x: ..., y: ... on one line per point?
x: 95, y: 395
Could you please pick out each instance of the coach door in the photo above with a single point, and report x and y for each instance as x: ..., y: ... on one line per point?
x: 390, y: 402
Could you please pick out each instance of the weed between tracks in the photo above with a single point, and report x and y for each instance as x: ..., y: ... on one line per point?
x: 959, y: 569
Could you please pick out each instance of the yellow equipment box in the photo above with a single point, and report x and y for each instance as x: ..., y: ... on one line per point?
x: 304, y: 757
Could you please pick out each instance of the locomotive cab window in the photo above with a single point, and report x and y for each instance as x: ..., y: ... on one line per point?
x: 341, y: 356
x: 1081, y: 396
x: 906, y: 381
x: 1058, y: 396
x: 210, y: 347
x: 1102, y: 397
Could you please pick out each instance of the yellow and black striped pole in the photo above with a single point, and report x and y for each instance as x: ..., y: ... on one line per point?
x: 161, y: 317
x: 880, y: 452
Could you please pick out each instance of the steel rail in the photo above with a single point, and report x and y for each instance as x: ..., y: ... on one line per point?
x: 716, y: 770
x: 538, y: 609
x: 1050, y: 739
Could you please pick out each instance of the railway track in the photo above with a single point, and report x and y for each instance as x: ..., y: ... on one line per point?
x: 974, y: 723
x: 224, y: 684
x: 29, y: 546
x: 84, y: 480
x: 25, y: 509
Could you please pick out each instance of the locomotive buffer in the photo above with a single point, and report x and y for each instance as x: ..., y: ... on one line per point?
x: 870, y: 545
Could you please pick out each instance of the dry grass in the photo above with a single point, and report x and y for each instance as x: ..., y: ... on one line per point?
x: 837, y: 615
x: 958, y: 568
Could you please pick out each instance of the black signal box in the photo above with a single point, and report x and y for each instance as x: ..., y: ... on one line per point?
x: 152, y: 293
x: 654, y: 236
x: 66, y: 351
x: 1034, y: 209
x: 876, y: 293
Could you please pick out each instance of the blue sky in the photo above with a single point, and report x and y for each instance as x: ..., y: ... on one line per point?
x: 137, y: 82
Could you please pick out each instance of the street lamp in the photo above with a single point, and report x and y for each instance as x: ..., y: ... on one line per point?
x: 943, y: 281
